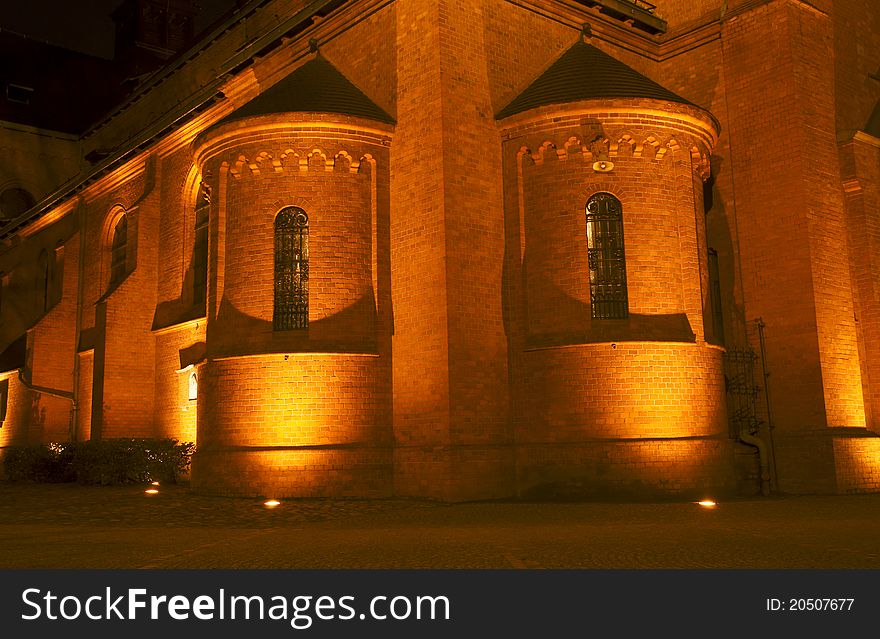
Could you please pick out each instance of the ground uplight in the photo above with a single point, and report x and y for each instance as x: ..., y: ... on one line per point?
x: 271, y: 503
x: 151, y: 491
x: 707, y: 503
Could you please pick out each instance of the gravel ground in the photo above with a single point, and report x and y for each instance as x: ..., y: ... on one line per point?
x: 69, y: 526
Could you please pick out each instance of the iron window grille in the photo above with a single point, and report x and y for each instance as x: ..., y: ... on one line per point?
x: 291, y: 270
x: 607, y: 261
x: 117, y: 251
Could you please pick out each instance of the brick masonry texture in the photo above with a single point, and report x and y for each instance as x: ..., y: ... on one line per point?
x: 450, y: 351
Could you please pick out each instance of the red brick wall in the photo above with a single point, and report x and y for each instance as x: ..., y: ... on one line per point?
x: 84, y: 396
x: 856, y: 42
x: 623, y: 390
x: 810, y: 333
x: 680, y: 14
x: 519, y: 45
x: 629, y: 397
x: 178, y: 184
x: 303, y: 424
x: 53, y: 344
x: 825, y: 208
x: 175, y: 411
x: 638, y: 414
x: 129, y: 346
x: 117, y: 321
x: 450, y: 371
x: 337, y: 188
x: 15, y: 429
x: 366, y: 55
x: 860, y: 169
x: 663, y: 226
x: 857, y: 464
x: 634, y: 469
x: 488, y: 263
x: 421, y: 407
x: 296, y: 413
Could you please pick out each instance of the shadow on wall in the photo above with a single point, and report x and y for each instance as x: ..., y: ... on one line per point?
x: 351, y: 329
x: 674, y: 327
x: 718, y: 226
x: 571, y: 323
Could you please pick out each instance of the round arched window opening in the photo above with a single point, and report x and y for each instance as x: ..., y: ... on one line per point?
x: 14, y: 201
x: 291, y: 270
x: 606, y: 257
x: 193, y: 386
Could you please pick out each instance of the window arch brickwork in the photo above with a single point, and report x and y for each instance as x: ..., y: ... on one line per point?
x: 192, y: 387
x: 200, y: 246
x: 43, y: 281
x: 606, y: 256
x: 118, y: 249
x: 291, y: 311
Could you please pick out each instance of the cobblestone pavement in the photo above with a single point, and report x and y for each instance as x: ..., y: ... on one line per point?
x: 68, y: 526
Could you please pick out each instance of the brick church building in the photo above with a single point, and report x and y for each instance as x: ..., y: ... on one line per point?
x: 457, y: 249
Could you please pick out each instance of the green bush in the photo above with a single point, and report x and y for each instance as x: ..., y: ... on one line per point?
x: 106, y: 462
x: 48, y: 463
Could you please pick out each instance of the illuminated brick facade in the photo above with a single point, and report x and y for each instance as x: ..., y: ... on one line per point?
x: 441, y: 155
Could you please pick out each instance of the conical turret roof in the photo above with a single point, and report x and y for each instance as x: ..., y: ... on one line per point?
x: 317, y: 86
x: 585, y: 72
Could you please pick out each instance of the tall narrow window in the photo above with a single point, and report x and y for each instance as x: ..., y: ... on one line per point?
x: 193, y: 386
x: 56, y: 289
x: 715, y: 294
x: 291, y: 270
x: 4, y: 399
x: 43, y: 282
x: 607, y: 261
x: 117, y: 251
x: 200, y: 248
x: 13, y: 202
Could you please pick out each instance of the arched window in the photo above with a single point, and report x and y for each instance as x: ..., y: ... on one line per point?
x: 715, y: 297
x: 4, y: 399
x: 607, y: 261
x: 43, y: 282
x: 117, y: 251
x: 193, y: 386
x: 291, y: 270
x: 200, y: 248
x: 15, y: 201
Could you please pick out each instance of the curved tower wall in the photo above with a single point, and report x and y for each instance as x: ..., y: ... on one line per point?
x: 610, y: 406
x: 297, y: 412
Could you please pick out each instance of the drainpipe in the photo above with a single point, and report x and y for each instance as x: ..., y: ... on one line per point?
x: 80, y: 267
x: 763, y: 457
x: 773, y: 469
x: 42, y: 390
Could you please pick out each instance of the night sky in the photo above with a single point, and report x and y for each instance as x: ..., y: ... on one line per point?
x: 82, y: 25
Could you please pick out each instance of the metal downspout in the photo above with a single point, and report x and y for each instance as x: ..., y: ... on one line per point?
x: 763, y: 457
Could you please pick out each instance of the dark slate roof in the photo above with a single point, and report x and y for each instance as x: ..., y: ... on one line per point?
x: 585, y: 72
x: 66, y: 90
x: 317, y: 86
x: 14, y: 355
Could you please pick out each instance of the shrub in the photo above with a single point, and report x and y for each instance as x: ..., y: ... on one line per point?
x: 49, y: 463
x: 109, y: 461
